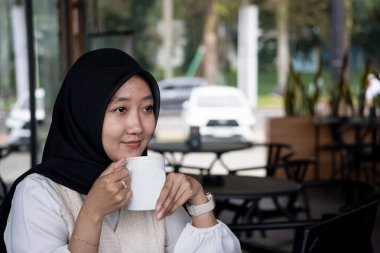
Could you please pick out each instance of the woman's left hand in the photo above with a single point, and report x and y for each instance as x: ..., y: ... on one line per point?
x: 178, y: 189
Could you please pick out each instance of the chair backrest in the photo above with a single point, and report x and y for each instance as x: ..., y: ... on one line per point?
x: 356, y: 131
x: 296, y: 169
x: 298, y: 226
x: 277, y: 155
x: 347, y: 232
x: 357, y: 193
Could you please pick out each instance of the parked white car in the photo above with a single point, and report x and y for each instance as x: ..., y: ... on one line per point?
x: 220, y: 112
x: 18, y: 120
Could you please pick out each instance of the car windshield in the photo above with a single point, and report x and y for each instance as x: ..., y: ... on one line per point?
x: 221, y: 101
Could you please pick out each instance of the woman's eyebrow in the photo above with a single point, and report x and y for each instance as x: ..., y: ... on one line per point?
x: 119, y: 99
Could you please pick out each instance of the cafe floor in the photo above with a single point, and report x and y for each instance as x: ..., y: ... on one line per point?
x: 323, y: 201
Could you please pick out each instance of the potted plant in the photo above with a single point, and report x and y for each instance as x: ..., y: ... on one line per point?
x: 298, y: 127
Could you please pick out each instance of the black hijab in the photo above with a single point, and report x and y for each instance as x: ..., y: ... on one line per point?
x: 74, y: 155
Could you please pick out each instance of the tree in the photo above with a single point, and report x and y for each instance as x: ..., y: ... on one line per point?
x: 210, y: 43
x: 299, y: 28
x: 282, y: 44
x: 366, y: 28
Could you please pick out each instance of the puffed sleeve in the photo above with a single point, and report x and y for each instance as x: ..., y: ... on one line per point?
x: 215, y: 239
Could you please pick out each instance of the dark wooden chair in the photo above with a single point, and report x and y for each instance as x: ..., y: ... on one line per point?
x: 354, y: 149
x: 296, y: 170
x: 291, y: 205
x: 297, y: 226
x: 278, y: 155
x: 348, y: 229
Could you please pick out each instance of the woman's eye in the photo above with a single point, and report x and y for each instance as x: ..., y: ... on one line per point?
x: 120, y: 109
x: 148, y: 108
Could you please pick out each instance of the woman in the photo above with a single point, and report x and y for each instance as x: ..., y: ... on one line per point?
x: 106, y: 110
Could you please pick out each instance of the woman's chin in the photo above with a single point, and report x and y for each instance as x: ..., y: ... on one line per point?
x: 132, y: 154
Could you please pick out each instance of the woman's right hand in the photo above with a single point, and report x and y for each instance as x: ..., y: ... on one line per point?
x: 108, y: 193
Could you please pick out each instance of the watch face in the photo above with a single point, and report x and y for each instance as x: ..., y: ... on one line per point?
x: 210, y: 196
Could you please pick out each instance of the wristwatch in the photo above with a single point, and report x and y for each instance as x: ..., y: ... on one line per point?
x: 204, y: 208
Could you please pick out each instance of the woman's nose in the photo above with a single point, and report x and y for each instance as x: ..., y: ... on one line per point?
x: 134, y: 124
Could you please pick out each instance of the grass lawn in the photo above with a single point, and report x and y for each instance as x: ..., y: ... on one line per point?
x: 267, y: 85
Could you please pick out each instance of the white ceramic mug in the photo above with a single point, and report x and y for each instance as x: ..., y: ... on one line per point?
x: 147, y: 178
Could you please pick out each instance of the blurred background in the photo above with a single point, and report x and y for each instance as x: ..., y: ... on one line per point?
x: 287, y: 57
x: 244, y: 70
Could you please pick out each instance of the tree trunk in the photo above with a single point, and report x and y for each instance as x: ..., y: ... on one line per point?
x: 347, y: 25
x: 210, y: 41
x: 282, y: 44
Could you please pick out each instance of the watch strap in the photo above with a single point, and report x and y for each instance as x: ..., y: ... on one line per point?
x: 203, y: 208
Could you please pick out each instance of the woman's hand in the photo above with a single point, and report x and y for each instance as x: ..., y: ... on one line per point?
x: 178, y: 189
x: 111, y: 190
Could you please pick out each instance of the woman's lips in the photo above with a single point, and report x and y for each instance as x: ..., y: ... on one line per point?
x: 133, y: 144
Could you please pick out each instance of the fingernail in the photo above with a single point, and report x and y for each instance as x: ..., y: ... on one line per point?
x: 159, y: 216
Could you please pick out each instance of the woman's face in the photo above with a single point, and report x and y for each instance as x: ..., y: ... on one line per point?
x: 129, y: 120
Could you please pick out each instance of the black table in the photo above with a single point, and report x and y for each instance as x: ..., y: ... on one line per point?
x: 169, y: 149
x: 249, y: 189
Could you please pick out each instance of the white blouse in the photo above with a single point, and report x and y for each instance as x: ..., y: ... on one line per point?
x: 35, y: 224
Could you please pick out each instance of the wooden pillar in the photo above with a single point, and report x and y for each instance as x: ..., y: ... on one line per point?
x: 72, y: 31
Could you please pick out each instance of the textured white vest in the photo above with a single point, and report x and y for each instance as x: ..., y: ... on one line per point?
x: 136, y: 231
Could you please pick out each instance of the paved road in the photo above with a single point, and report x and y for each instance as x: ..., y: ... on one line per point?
x: 168, y: 128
